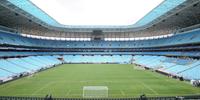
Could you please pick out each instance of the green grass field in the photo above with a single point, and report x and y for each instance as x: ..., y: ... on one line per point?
x: 122, y: 80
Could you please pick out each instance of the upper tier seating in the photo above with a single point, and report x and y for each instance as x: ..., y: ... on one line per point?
x: 178, y: 39
x: 172, y: 53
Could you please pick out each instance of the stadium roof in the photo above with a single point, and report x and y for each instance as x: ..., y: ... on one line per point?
x: 32, y: 9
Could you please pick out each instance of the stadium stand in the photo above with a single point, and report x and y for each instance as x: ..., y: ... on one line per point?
x: 190, y: 37
x: 17, y: 67
x: 125, y: 59
x: 186, y: 68
x: 166, y: 41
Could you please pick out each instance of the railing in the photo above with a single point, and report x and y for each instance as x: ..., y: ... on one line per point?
x: 194, y: 97
x: 3, y: 28
x: 197, y: 26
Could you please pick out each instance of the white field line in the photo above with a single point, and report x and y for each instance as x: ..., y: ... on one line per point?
x: 149, y: 88
x: 68, y: 92
x: 42, y: 88
x: 122, y: 92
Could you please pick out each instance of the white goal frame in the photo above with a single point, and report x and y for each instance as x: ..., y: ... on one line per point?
x: 95, y: 92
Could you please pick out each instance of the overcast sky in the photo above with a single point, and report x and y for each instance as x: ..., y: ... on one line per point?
x: 97, y: 12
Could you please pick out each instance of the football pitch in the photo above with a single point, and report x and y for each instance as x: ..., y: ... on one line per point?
x: 68, y: 80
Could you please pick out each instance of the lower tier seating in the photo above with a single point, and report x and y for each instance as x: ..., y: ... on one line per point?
x: 15, y: 67
x: 189, y: 69
x: 124, y: 59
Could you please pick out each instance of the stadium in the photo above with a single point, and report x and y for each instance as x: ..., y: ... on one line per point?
x: 155, y: 58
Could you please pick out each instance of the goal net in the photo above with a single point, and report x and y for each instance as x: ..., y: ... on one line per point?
x: 95, y: 91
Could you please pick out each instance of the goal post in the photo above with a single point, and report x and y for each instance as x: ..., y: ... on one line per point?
x: 95, y: 92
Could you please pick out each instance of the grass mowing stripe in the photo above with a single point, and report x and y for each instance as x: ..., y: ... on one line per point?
x: 122, y: 80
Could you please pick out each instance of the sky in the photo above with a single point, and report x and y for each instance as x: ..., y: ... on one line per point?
x: 97, y: 12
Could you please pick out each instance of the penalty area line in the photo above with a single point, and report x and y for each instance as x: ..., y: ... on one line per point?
x: 122, y: 92
x: 149, y: 88
x: 68, y: 92
x: 38, y: 90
